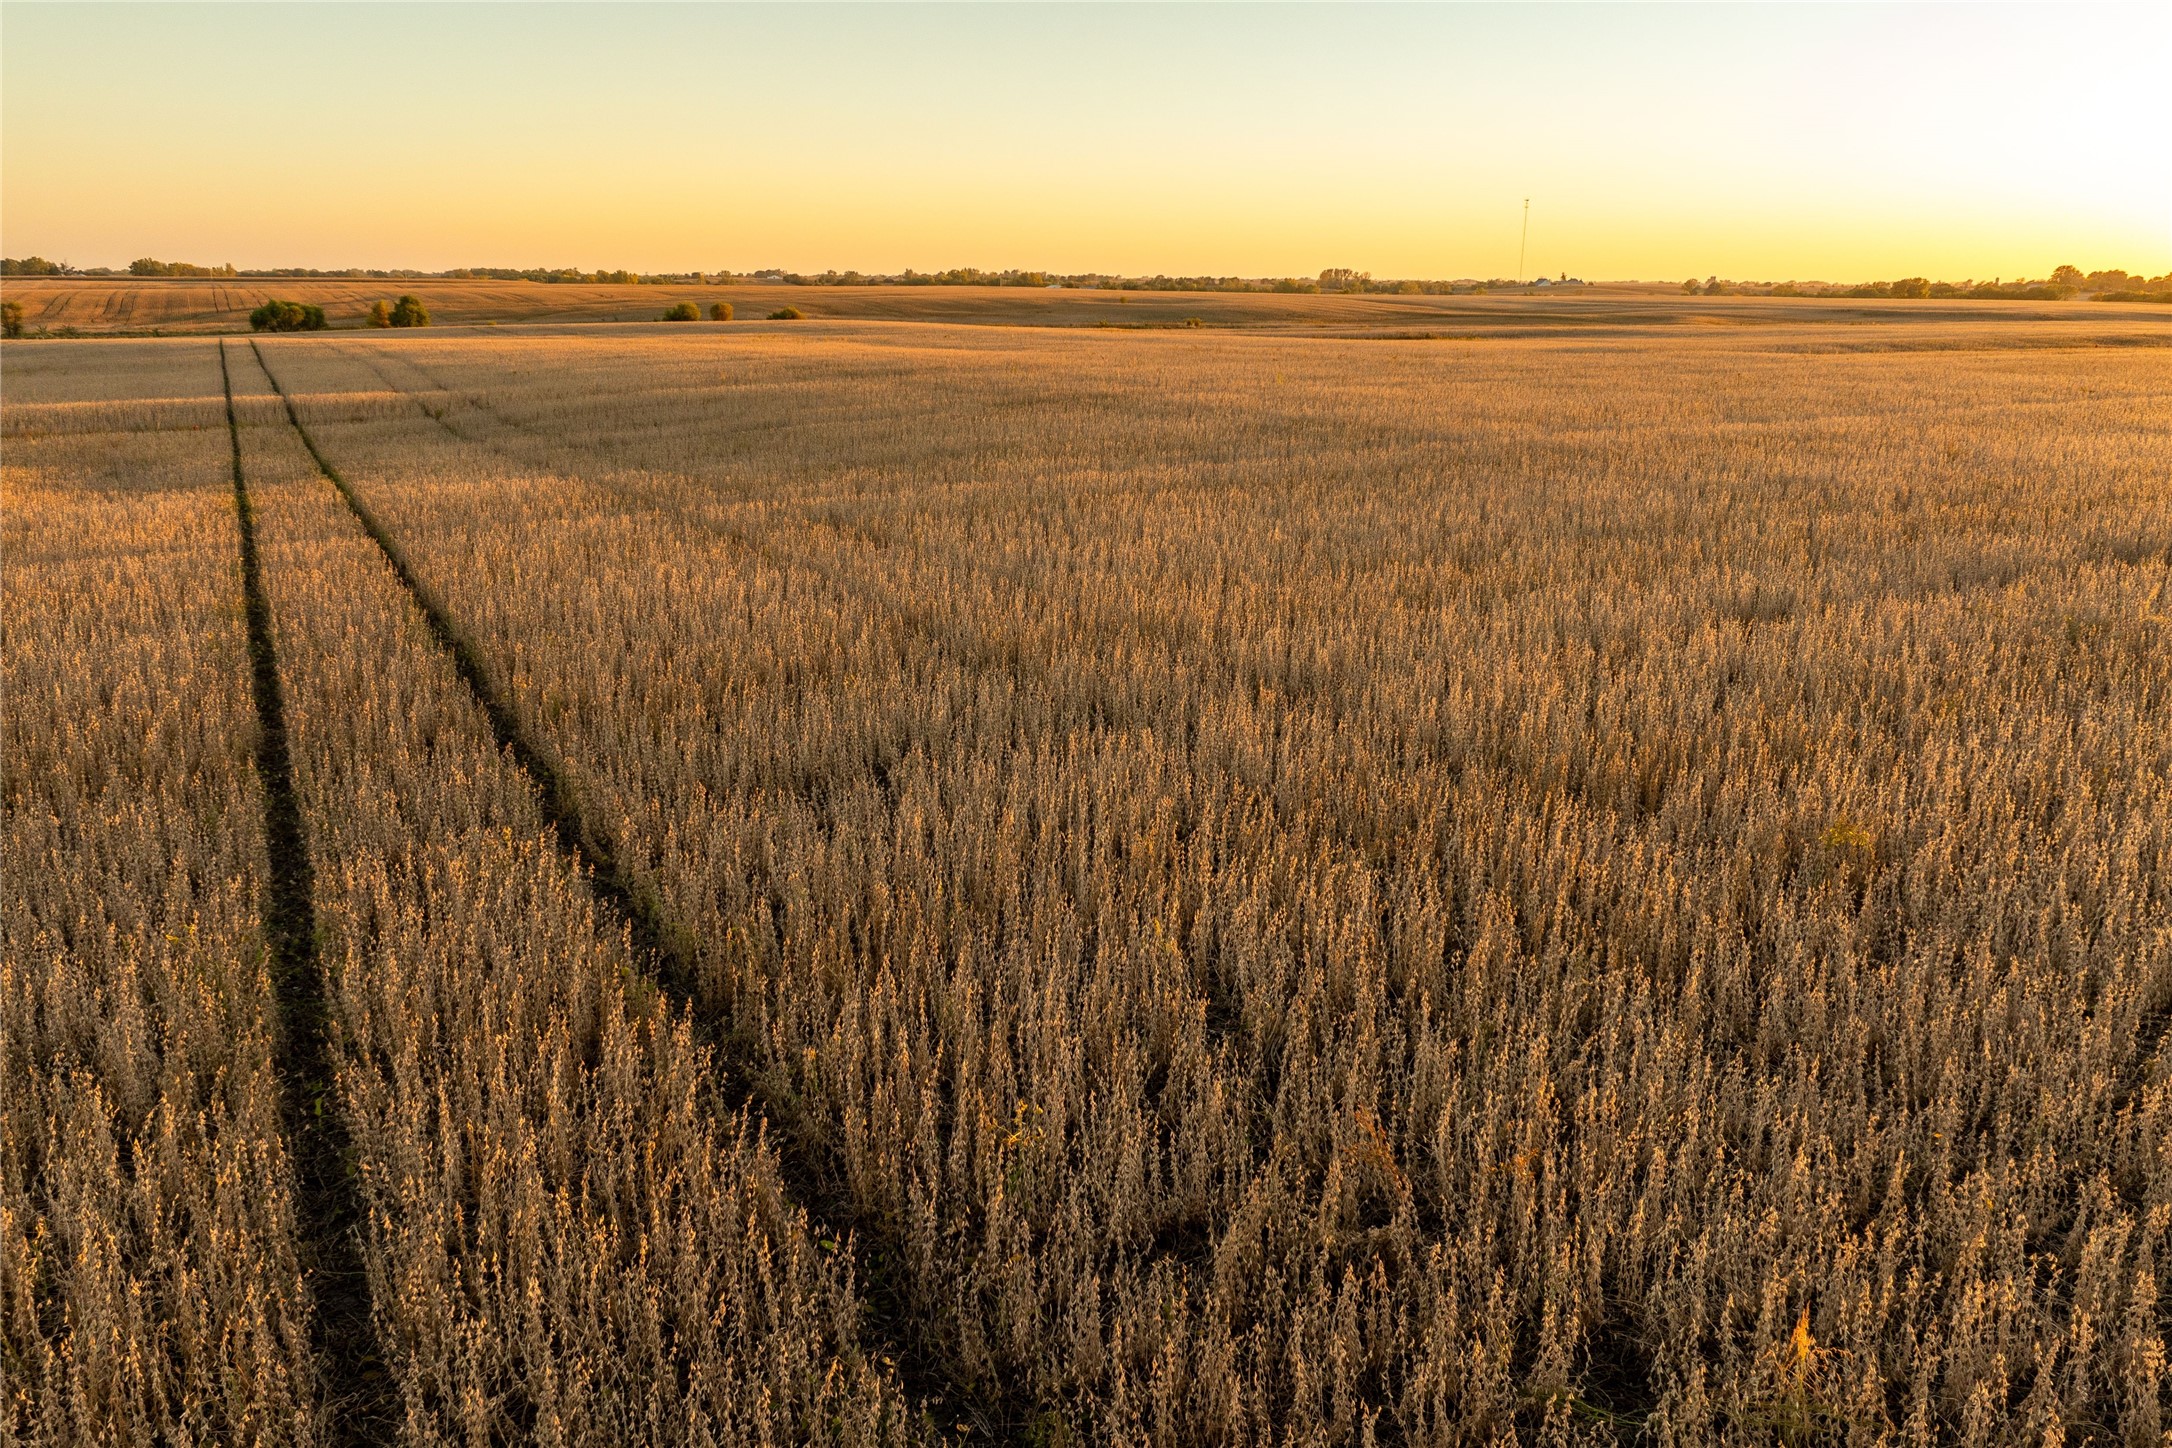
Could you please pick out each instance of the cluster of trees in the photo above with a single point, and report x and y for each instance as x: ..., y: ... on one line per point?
x: 2112, y: 279
x: 149, y: 266
x: 1334, y: 279
x: 722, y: 312
x: 350, y: 273
x: 38, y: 266
x: 408, y: 311
x: 574, y: 274
x: 142, y: 266
x: 277, y: 316
x: 1348, y: 279
x: 1915, y: 288
x: 2064, y: 282
x: 283, y: 316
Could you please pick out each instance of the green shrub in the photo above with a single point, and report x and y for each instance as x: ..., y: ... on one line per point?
x: 11, y: 319
x: 683, y: 312
x: 786, y: 314
x: 410, y: 312
x: 721, y: 312
x: 276, y: 316
x: 380, y: 313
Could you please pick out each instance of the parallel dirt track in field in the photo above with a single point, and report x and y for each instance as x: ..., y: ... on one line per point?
x: 1619, y: 1362
x: 927, y: 1382
x: 355, y: 1390
x: 986, y: 651
x: 1276, y: 890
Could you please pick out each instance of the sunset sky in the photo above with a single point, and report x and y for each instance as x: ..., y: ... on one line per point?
x: 1756, y: 141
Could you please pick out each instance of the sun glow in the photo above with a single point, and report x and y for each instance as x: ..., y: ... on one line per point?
x: 1780, y: 141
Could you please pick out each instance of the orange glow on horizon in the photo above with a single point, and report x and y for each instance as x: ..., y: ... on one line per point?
x: 1766, y: 142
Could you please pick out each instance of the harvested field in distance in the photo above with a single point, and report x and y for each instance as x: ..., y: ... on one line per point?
x: 199, y: 305
x: 936, y: 882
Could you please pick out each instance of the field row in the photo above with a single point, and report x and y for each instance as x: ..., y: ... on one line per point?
x: 151, y: 1286
x: 1361, y: 894
x: 568, y: 1234
x: 66, y: 305
x: 1284, y: 892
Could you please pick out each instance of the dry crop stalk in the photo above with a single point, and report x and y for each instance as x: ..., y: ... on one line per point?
x: 150, y: 1289
x: 570, y: 1238
x: 1351, y: 758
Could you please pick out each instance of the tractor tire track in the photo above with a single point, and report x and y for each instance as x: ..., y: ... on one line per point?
x: 354, y: 1396
x: 817, y: 1183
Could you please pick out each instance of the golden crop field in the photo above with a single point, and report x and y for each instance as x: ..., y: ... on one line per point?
x: 881, y: 881
x: 92, y: 305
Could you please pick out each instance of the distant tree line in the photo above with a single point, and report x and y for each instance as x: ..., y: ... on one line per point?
x: 1334, y: 279
x: 146, y: 266
x: 142, y: 266
x: 2064, y: 282
x: 574, y: 274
